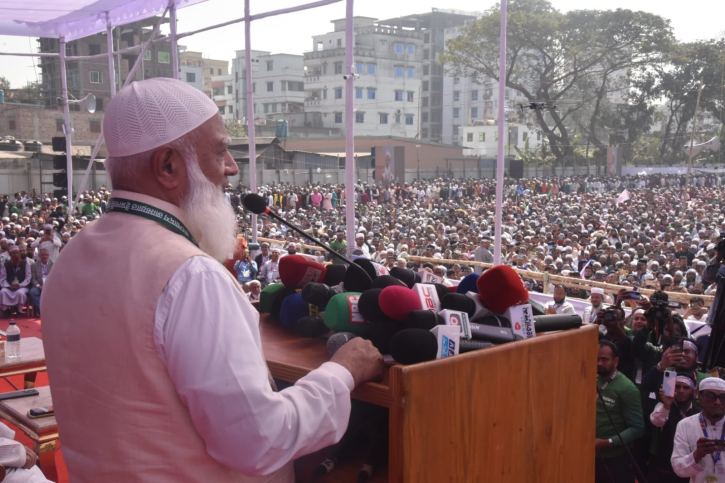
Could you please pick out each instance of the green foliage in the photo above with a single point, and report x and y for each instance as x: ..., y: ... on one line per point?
x: 4, y: 83
x: 235, y: 130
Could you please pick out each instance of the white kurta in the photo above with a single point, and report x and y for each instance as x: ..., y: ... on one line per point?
x: 212, y: 352
x: 683, y: 461
x: 12, y: 457
x: 12, y: 298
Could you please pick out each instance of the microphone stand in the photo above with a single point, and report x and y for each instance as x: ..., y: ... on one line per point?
x: 317, y: 242
x: 717, y: 336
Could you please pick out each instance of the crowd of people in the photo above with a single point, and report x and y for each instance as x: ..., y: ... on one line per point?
x: 663, y: 237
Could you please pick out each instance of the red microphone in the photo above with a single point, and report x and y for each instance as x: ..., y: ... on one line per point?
x: 297, y: 271
x: 500, y: 288
x: 397, y: 302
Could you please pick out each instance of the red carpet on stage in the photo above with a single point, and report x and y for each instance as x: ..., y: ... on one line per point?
x: 30, y: 328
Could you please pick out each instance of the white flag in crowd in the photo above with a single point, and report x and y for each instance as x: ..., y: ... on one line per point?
x: 623, y: 197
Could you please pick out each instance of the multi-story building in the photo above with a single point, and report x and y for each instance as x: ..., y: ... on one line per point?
x: 211, y: 67
x: 194, y: 76
x: 222, y: 93
x: 480, y: 139
x: 91, y: 76
x: 278, y: 86
x: 387, y: 93
x: 433, y: 25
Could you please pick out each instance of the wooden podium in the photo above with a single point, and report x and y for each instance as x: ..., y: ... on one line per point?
x: 519, y: 412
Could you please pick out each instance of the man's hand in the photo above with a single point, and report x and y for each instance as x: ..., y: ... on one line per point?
x: 39, y: 287
x: 14, y: 286
x: 361, y: 358
x: 704, y: 448
x: 666, y: 400
x: 30, y: 458
x: 671, y: 357
x: 601, y: 443
x: 550, y: 311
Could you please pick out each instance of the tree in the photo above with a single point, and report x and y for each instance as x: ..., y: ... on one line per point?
x: 235, y: 130
x: 571, y: 60
x: 4, y: 83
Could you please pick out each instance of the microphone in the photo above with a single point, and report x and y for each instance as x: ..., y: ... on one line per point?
x: 474, y: 345
x: 298, y: 271
x: 342, y: 314
x: 373, y: 269
x: 423, y: 319
x: 335, y: 274
x: 293, y: 309
x: 317, y: 294
x: 369, y: 306
x: 356, y: 279
x: 549, y: 323
x: 338, y: 340
x: 268, y: 297
x: 311, y: 327
x: 256, y: 204
x: 428, y: 296
x: 397, y: 302
x: 490, y: 332
x: 408, y: 277
x: 468, y: 284
x: 459, y: 302
x: 385, y: 281
x: 500, y: 288
x: 411, y: 346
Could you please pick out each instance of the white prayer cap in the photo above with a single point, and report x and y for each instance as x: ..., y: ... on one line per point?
x: 11, y: 242
x: 712, y: 383
x: 48, y: 226
x: 148, y: 114
x: 597, y: 290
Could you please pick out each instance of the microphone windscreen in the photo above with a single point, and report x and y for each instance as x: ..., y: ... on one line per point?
x: 335, y: 274
x: 441, y: 290
x: 356, y: 279
x: 277, y: 306
x: 369, y: 306
x: 338, y: 340
x: 293, y: 309
x: 459, y: 302
x: 317, y: 294
x: 298, y: 271
x: 268, y: 296
x: 473, y: 345
x: 342, y: 314
x: 468, y: 284
x: 408, y: 277
x: 311, y: 327
x: 411, y: 346
x: 548, y: 323
x: 371, y: 268
x: 381, y: 333
x: 254, y: 203
x: 385, y: 281
x: 500, y: 288
x: 423, y: 319
x: 537, y: 308
x: 397, y: 302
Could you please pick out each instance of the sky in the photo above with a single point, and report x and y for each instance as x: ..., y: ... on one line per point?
x: 292, y: 33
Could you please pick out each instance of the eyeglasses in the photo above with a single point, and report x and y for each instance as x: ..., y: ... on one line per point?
x: 712, y: 397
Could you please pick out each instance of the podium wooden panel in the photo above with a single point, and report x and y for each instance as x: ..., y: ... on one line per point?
x: 517, y: 412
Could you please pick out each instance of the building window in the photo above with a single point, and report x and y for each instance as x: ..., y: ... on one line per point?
x: 164, y: 57
x: 424, y: 102
x: 222, y: 110
x: 11, y: 124
x: 411, y: 95
x: 99, y: 104
x: 231, y: 109
x: 270, y: 86
x: 525, y: 136
x: 424, y: 133
x: 383, y: 118
x: 456, y: 80
x: 397, y: 119
x: 411, y: 72
x: 372, y: 69
x: 95, y: 125
x: 284, y: 85
x: 338, y: 93
x: 358, y: 93
x: 270, y: 65
x: 338, y: 67
x: 338, y: 118
x: 426, y: 54
x: 424, y: 117
x: 218, y: 72
x: 94, y: 49
x: 482, y: 137
x: 426, y: 38
x: 211, y: 71
x: 469, y: 137
x: 425, y: 86
x: 426, y: 69
x: 59, y: 125
x: 147, y: 55
x: 359, y: 117
x: 266, y: 108
x: 474, y: 95
x: 456, y: 128
x: 339, y: 43
x: 456, y: 112
x: 371, y: 93
x: 324, y: 69
x: 398, y: 95
x: 474, y: 112
x: 456, y: 96
x: 190, y: 77
x: 229, y: 89
x: 409, y: 119
x: 383, y: 43
x: 411, y: 49
x: 538, y: 135
x: 399, y: 48
x: 398, y: 71
x: 96, y: 77
x: 360, y: 68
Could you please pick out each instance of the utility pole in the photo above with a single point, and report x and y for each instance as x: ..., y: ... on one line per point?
x: 692, y: 141
x: 417, y: 154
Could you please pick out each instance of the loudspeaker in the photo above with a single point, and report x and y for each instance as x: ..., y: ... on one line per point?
x: 516, y: 168
x: 59, y: 144
x: 60, y: 161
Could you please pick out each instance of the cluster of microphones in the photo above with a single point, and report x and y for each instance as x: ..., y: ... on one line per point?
x: 403, y: 317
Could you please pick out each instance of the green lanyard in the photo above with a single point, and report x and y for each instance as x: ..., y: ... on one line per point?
x: 167, y: 220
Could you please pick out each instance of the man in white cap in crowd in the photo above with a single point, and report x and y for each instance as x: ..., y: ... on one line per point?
x: 153, y: 350
x: 696, y: 453
x: 597, y: 298
x: 15, y: 277
x: 49, y: 241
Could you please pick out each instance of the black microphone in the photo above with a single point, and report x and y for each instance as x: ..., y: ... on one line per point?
x: 311, y: 326
x: 411, y: 346
x: 338, y: 340
x: 549, y: 323
x: 256, y: 204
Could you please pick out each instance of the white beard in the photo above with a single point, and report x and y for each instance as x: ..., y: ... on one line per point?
x: 209, y: 218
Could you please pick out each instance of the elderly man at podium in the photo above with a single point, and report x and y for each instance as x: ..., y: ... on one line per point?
x: 154, y: 353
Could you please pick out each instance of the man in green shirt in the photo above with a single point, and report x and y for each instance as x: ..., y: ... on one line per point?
x: 624, y: 406
x: 339, y: 244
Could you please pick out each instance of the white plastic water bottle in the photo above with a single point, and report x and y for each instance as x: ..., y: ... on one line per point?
x: 13, y: 343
